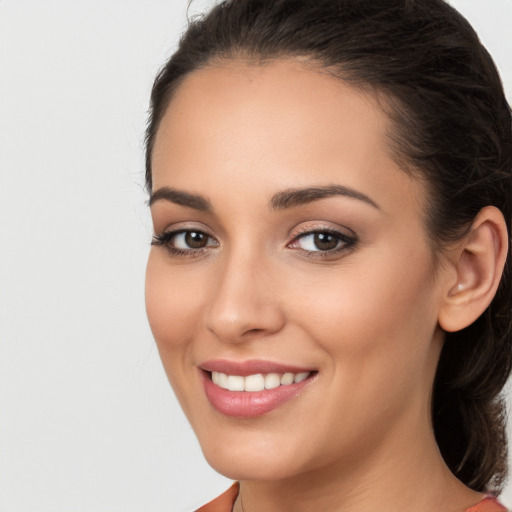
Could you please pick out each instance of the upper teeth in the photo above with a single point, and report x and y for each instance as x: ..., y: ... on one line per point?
x: 257, y: 382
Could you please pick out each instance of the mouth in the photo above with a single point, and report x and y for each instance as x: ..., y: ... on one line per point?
x: 252, y: 388
x: 257, y: 382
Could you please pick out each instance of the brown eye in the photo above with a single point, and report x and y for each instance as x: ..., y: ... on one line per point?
x: 196, y: 239
x: 187, y: 241
x: 325, y: 241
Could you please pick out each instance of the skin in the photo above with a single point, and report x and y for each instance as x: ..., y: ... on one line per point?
x: 366, y: 317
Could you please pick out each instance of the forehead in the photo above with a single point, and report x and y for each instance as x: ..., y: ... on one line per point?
x: 280, y: 83
x: 271, y: 125
x: 252, y: 104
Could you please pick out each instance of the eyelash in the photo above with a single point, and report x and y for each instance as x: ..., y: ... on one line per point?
x: 345, y: 242
x: 165, y: 240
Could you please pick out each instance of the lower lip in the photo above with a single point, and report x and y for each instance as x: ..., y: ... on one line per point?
x: 250, y: 404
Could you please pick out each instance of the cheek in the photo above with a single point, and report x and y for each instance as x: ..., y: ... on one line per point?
x: 377, y: 315
x: 172, y: 304
x: 376, y: 325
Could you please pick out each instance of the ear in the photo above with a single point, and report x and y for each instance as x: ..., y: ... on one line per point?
x: 475, y: 269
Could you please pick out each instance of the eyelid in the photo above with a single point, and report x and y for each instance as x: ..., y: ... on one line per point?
x: 346, y: 236
x: 176, y: 234
x: 190, y: 225
x: 163, y: 238
x: 315, y: 227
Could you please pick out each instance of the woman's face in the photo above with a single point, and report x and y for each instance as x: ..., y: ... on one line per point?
x: 290, y: 246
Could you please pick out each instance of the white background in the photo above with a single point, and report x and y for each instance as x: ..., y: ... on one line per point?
x: 87, y: 419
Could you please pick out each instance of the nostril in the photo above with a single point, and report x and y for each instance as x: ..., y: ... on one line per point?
x: 253, y: 331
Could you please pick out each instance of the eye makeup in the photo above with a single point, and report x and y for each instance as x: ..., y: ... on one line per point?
x: 314, y: 242
x: 185, y: 242
x: 322, y: 242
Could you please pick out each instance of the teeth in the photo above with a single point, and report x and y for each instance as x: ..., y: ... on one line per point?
x: 272, y: 380
x: 254, y: 383
x: 257, y: 382
x: 299, y: 377
x: 223, y: 380
x: 235, y: 383
x: 287, y: 379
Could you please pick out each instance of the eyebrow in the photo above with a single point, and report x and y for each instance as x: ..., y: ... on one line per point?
x: 289, y: 198
x: 300, y: 196
x: 172, y: 195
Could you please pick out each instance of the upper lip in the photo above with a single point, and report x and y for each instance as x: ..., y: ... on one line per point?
x: 250, y: 367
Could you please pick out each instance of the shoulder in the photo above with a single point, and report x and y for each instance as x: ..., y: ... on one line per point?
x: 225, y: 502
x: 488, y: 504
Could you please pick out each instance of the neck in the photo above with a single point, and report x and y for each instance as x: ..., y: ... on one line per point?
x: 403, y: 472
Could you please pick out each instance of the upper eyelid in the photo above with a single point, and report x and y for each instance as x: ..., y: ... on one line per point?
x: 293, y: 234
x: 347, y: 243
x: 177, y: 228
x: 341, y: 235
x: 320, y: 227
x: 176, y: 232
x: 165, y: 238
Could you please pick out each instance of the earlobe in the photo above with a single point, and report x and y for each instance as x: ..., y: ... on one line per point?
x: 478, y: 263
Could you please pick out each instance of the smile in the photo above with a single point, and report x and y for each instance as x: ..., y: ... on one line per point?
x: 257, y: 382
x: 252, y: 388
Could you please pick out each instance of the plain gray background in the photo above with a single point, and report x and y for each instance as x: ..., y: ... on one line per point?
x: 87, y: 419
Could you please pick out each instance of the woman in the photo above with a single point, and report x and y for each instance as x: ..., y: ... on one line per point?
x: 329, y: 283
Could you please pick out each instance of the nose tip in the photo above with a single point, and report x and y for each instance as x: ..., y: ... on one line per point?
x: 244, y: 322
x: 243, y: 307
x: 238, y: 327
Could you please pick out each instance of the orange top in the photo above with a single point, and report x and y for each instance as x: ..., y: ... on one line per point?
x: 488, y: 504
x: 225, y: 502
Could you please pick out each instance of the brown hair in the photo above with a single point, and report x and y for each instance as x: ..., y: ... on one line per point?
x: 452, y: 128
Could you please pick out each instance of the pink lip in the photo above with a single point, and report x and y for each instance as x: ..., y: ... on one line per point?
x: 244, y: 404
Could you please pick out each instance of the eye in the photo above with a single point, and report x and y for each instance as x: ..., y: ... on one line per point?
x: 185, y: 241
x: 190, y: 240
x: 323, y: 241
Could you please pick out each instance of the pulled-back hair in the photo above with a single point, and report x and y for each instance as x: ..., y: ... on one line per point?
x: 452, y: 129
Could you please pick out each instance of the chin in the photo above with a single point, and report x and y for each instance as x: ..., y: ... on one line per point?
x: 252, y: 461
x: 236, y: 469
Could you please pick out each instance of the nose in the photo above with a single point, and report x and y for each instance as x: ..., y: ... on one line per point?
x: 244, y: 304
